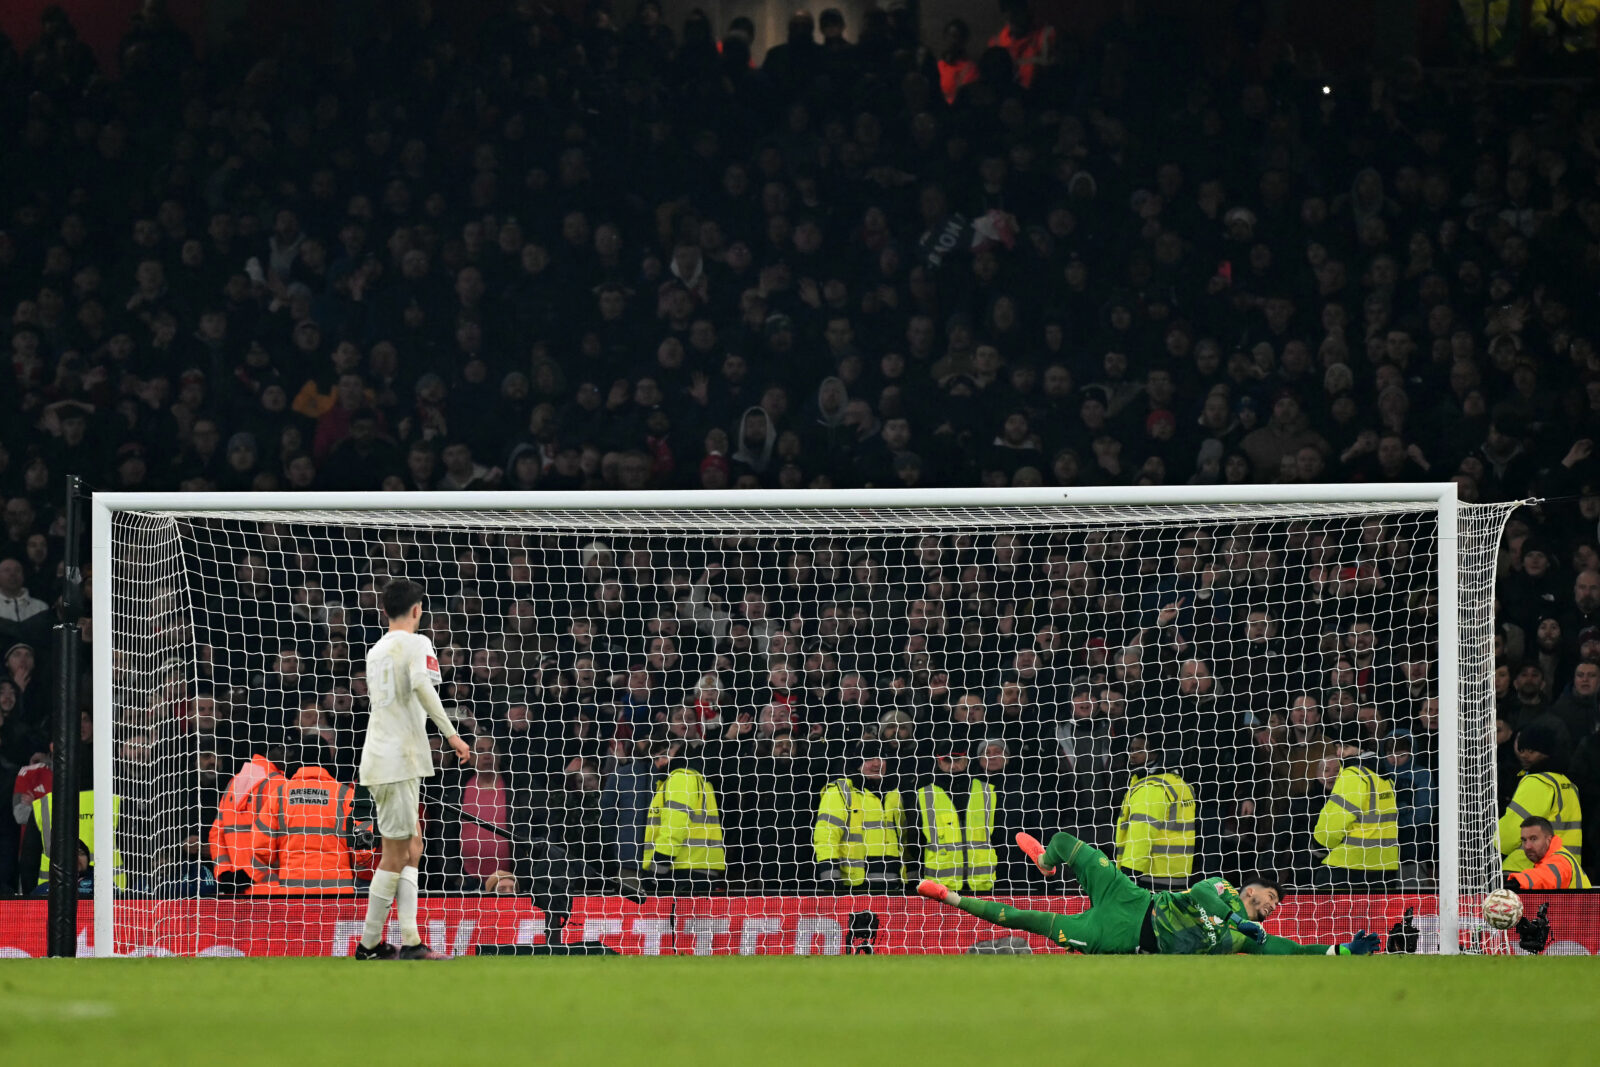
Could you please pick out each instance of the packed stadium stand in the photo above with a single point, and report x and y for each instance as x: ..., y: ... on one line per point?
x: 610, y: 253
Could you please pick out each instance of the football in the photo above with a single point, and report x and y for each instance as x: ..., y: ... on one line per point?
x: 1502, y: 909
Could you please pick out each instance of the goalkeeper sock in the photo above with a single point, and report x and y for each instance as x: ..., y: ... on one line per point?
x: 407, y: 897
x: 379, y: 897
x: 987, y: 910
x: 1042, y: 923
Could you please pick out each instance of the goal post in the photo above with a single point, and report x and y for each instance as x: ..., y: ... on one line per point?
x: 1054, y: 600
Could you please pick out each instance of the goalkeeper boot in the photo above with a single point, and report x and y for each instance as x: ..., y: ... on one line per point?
x: 1035, y: 851
x: 934, y: 890
x: 381, y: 951
x: 420, y: 952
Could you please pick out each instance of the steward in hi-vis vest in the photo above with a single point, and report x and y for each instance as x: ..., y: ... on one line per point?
x: 954, y: 812
x: 307, y: 821
x: 857, y: 834
x: 42, y: 818
x: 240, y: 850
x: 683, y: 828
x: 1360, y: 827
x: 1156, y: 831
x: 1543, y: 792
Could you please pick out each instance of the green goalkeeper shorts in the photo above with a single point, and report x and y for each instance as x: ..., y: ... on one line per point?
x: 1117, y: 907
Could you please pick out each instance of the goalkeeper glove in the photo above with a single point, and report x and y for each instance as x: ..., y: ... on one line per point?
x: 1252, y: 930
x: 1362, y: 944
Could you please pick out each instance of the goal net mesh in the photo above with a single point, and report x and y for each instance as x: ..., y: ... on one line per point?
x: 821, y: 704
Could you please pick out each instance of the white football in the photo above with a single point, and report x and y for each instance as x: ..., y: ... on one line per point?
x: 1502, y: 909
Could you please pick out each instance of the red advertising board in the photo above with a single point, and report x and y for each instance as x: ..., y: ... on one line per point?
x: 683, y: 926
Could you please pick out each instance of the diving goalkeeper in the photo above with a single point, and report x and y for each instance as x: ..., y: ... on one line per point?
x: 1209, y: 918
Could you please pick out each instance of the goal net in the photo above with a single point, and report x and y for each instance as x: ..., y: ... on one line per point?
x: 748, y: 723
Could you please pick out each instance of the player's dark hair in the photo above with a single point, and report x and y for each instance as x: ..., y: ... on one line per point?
x: 1542, y: 823
x: 400, y: 596
x: 1265, y: 881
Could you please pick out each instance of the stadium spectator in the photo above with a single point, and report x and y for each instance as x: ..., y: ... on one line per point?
x: 766, y: 838
x: 240, y: 850
x: 1551, y: 865
x: 260, y: 268
x: 16, y: 604
x: 684, y: 852
x: 1155, y: 832
x: 1578, y: 708
x: 625, y: 803
x: 860, y: 821
x: 309, y: 815
x: 1358, y: 829
x: 950, y: 829
x: 1417, y: 800
x: 1543, y: 791
x: 486, y: 815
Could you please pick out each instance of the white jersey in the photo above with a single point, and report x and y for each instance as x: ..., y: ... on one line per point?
x: 397, y: 729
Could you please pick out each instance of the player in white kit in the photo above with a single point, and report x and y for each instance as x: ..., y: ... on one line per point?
x: 402, y: 671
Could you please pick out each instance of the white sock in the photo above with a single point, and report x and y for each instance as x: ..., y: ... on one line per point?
x: 379, y: 897
x: 407, y: 897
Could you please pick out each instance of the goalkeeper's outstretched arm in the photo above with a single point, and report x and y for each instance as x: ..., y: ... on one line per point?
x: 1362, y: 944
x: 1256, y: 902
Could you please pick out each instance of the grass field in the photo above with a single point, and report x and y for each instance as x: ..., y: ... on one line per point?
x: 882, y: 1010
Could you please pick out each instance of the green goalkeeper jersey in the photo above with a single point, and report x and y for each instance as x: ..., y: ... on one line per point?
x: 1198, y: 922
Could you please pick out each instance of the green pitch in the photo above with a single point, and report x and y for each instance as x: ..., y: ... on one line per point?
x: 885, y: 1010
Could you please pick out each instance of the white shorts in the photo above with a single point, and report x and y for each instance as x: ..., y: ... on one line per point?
x: 397, y: 807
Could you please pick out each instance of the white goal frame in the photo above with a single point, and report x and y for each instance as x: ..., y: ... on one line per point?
x: 1439, y: 495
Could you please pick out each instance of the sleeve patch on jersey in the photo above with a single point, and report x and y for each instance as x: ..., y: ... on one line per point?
x: 433, y: 663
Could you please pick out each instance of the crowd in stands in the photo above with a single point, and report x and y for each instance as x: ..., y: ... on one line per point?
x: 617, y: 254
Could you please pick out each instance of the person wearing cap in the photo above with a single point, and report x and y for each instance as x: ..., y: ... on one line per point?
x: 1543, y: 791
x: 1548, y: 650
x: 243, y: 458
x: 1155, y: 835
x: 1534, y: 592
x: 683, y: 847
x: 1287, y: 431
x: 857, y: 836
x: 714, y: 471
x: 1359, y: 829
x: 954, y: 810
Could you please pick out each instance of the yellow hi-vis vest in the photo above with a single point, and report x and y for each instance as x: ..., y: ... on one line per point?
x: 855, y: 825
x: 958, y: 852
x: 682, y: 826
x: 1156, y: 830
x: 1546, y: 795
x: 41, y: 816
x: 1360, y: 823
